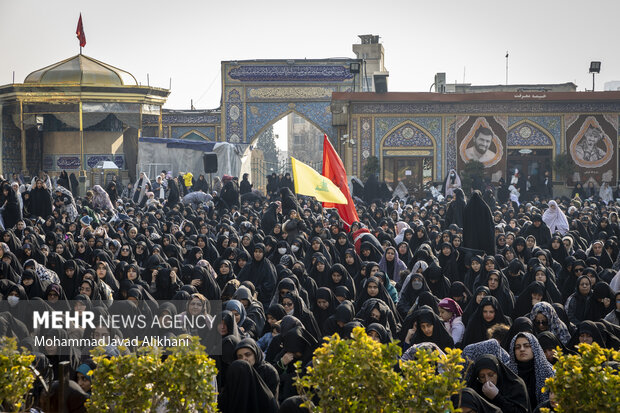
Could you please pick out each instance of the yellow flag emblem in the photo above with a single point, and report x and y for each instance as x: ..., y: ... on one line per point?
x: 309, y: 182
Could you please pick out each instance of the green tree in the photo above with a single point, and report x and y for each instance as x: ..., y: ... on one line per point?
x: 472, y: 171
x: 359, y: 375
x: 145, y: 381
x: 371, y: 167
x: 586, y: 382
x: 267, y: 143
x: 564, y: 166
x: 16, y: 377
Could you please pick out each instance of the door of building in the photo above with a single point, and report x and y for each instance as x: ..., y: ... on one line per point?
x: 408, y: 170
x: 530, y: 163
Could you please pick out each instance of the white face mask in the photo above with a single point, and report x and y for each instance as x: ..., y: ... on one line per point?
x: 13, y: 300
x: 226, y: 233
x: 294, y: 248
x: 290, y: 312
x: 416, y: 285
x: 282, y: 251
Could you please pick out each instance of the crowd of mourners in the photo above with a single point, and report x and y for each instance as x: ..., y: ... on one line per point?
x: 507, y: 282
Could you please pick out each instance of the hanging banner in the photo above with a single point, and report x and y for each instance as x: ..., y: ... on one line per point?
x: 483, y: 138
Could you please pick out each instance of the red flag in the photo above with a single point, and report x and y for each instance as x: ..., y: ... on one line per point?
x: 80, y: 32
x: 333, y: 169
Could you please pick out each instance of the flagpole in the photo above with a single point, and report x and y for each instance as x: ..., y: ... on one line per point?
x: 506, y: 67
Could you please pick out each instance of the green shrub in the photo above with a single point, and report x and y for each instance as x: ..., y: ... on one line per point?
x: 16, y: 377
x: 359, y: 375
x: 584, y: 382
x: 186, y: 379
x: 426, y: 391
x: 370, y: 168
x: 564, y: 166
x: 143, y: 381
x: 471, y: 171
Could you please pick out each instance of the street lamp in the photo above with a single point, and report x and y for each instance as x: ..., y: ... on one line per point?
x: 595, y: 67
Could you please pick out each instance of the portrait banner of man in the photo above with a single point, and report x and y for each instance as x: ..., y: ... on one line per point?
x: 591, y: 141
x: 483, y: 139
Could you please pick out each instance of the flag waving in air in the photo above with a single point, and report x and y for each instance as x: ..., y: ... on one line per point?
x: 80, y: 32
x: 309, y: 182
x: 333, y: 169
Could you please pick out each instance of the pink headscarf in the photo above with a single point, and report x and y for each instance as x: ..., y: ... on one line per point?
x: 452, y: 306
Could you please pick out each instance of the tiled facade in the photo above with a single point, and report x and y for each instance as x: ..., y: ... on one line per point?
x: 390, y: 125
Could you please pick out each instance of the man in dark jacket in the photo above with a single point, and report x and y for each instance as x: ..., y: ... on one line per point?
x: 245, y: 186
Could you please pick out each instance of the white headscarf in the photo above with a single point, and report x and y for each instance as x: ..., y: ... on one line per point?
x: 555, y: 219
x: 145, y: 181
x: 448, y: 187
x: 101, y: 199
x: 401, y: 227
x: 606, y: 193
x: 401, y: 191
x: 71, y: 209
x: 414, y: 271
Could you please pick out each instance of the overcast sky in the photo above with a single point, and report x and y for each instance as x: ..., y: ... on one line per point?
x: 548, y: 41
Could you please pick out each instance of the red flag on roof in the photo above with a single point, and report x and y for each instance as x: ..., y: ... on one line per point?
x: 333, y: 168
x: 80, y: 32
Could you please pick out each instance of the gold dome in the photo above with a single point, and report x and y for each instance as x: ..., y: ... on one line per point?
x: 81, y: 70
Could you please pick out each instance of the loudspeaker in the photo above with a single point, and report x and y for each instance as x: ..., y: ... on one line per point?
x: 210, y: 163
x: 380, y: 83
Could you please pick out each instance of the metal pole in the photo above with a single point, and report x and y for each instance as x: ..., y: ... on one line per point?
x: 63, y: 371
x: 160, y: 130
x: 593, y: 74
x: 23, y: 136
x: 506, y: 67
x: 82, y: 170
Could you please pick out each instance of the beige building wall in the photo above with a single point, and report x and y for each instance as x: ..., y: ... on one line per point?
x: 68, y: 143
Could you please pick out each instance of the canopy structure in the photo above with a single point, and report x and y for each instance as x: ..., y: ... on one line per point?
x: 72, y: 114
x: 181, y: 155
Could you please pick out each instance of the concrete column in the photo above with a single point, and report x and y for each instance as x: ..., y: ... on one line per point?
x: 23, y: 137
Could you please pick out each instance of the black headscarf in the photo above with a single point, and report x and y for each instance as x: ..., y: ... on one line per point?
x: 437, y: 282
x: 478, y: 227
x: 262, y: 274
x: 440, y: 335
x: 595, y: 310
x: 386, y: 316
x: 384, y: 335
x: 519, y: 325
x: 472, y: 306
x: 37, y: 288
x: 321, y: 315
x: 523, y: 304
x: 477, y: 327
x: 245, y: 391
x: 512, y: 396
x: 502, y: 292
x: 265, y: 370
x: 469, y: 398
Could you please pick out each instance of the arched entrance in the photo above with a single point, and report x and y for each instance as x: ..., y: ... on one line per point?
x: 271, y: 149
x: 531, y: 150
x: 257, y: 93
x: 408, y: 154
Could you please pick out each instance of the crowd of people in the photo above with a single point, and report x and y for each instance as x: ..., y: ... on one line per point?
x: 507, y: 282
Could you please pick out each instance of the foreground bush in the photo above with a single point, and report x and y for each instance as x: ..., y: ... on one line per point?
x: 16, y: 377
x: 359, y: 375
x: 142, y: 381
x: 586, y: 382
